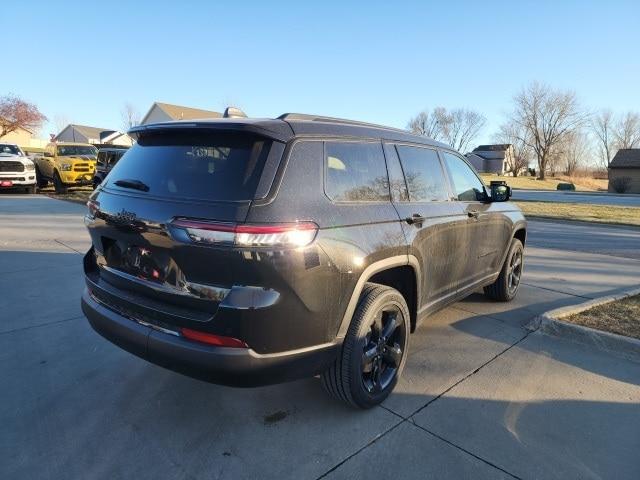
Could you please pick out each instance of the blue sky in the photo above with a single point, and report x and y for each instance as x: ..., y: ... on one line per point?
x: 375, y: 61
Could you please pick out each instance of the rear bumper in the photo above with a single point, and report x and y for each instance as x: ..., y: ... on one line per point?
x: 239, y: 367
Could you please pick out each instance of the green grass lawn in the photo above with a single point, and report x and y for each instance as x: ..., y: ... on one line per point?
x: 531, y: 183
x: 583, y: 212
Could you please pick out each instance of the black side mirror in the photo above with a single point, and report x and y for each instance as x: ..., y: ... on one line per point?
x: 500, y: 191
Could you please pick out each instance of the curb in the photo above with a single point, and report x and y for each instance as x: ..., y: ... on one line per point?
x: 550, y: 323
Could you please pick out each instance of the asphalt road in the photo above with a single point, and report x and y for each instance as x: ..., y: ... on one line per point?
x: 481, y: 397
x: 577, y: 197
x: 586, y: 237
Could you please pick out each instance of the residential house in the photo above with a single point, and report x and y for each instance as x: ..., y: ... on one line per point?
x: 24, y: 138
x: 492, y: 159
x: 165, y: 112
x: 93, y: 135
x: 625, y: 169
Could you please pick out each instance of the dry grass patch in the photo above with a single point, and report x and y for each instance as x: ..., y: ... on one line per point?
x: 583, y: 212
x: 620, y: 316
x: 584, y: 184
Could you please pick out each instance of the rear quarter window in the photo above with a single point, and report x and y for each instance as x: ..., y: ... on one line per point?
x: 195, y: 165
x: 355, y: 172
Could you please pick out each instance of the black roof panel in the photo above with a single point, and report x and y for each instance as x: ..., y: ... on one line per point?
x: 290, y: 125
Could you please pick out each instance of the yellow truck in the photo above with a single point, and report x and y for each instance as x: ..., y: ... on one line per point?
x: 66, y: 164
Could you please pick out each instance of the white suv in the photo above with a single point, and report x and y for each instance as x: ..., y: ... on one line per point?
x: 16, y: 170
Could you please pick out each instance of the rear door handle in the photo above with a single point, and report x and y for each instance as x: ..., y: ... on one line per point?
x: 416, y: 218
x: 473, y: 213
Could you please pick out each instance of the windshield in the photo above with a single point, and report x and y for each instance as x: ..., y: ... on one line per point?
x: 206, y: 166
x: 76, y: 150
x: 10, y: 149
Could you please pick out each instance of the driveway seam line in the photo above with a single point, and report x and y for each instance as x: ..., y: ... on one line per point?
x: 54, y: 322
x: 504, y: 322
x: 342, y: 462
x: 67, y: 246
x: 470, y: 375
x: 555, y: 291
x: 467, y: 451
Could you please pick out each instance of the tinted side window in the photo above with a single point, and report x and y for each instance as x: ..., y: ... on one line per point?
x: 100, y: 159
x: 356, y: 172
x: 397, y: 183
x: 424, y: 175
x: 466, y: 184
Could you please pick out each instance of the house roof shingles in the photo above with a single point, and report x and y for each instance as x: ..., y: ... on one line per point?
x: 626, y: 158
x: 89, y: 132
x: 178, y: 112
x: 492, y: 148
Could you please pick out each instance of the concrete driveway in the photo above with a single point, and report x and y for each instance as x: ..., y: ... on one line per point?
x: 594, y: 198
x: 481, y: 397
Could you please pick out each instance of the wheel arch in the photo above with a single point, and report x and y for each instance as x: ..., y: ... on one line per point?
x: 401, y: 272
x: 520, y: 233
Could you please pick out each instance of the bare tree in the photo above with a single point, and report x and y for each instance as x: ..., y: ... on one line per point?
x: 545, y: 115
x: 426, y: 124
x: 627, y: 131
x: 462, y: 127
x: 601, y: 125
x: 514, y: 135
x: 16, y: 113
x: 575, y: 151
x: 457, y: 127
x: 130, y: 116
x: 60, y: 121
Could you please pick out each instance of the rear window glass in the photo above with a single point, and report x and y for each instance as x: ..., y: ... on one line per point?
x: 356, y: 172
x: 194, y: 165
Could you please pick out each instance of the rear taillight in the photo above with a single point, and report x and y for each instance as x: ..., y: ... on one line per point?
x: 284, y: 235
x: 211, y: 339
x: 93, y: 207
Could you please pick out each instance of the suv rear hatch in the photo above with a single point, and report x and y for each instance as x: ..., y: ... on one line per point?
x: 143, y: 262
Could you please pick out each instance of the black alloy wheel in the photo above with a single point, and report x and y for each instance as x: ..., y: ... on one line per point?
x: 383, y: 349
x: 515, y: 271
x: 374, y: 349
x: 505, y: 288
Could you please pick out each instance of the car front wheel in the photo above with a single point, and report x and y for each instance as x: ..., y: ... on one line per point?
x: 58, y: 184
x: 40, y: 180
x: 505, y: 287
x: 374, y: 350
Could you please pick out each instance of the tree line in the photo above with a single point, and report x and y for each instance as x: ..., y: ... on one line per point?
x: 16, y: 113
x: 545, y: 125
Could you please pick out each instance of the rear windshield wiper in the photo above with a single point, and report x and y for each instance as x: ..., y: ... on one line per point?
x: 135, y: 184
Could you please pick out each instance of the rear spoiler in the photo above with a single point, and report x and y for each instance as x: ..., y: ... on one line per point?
x: 280, y: 131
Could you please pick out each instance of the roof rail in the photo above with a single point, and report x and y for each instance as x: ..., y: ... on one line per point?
x: 320, y: 118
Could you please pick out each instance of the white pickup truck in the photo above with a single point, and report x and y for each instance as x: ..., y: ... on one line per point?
x: 16, y: 170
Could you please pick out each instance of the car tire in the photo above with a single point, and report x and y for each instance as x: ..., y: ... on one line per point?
x: 374, y: 350
x: 40, y: 180
x: 505, y: 288
x: 31, y: 189
x: 58, y: 184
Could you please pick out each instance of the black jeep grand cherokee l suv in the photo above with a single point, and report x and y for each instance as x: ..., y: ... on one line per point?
x: 246, y: 252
